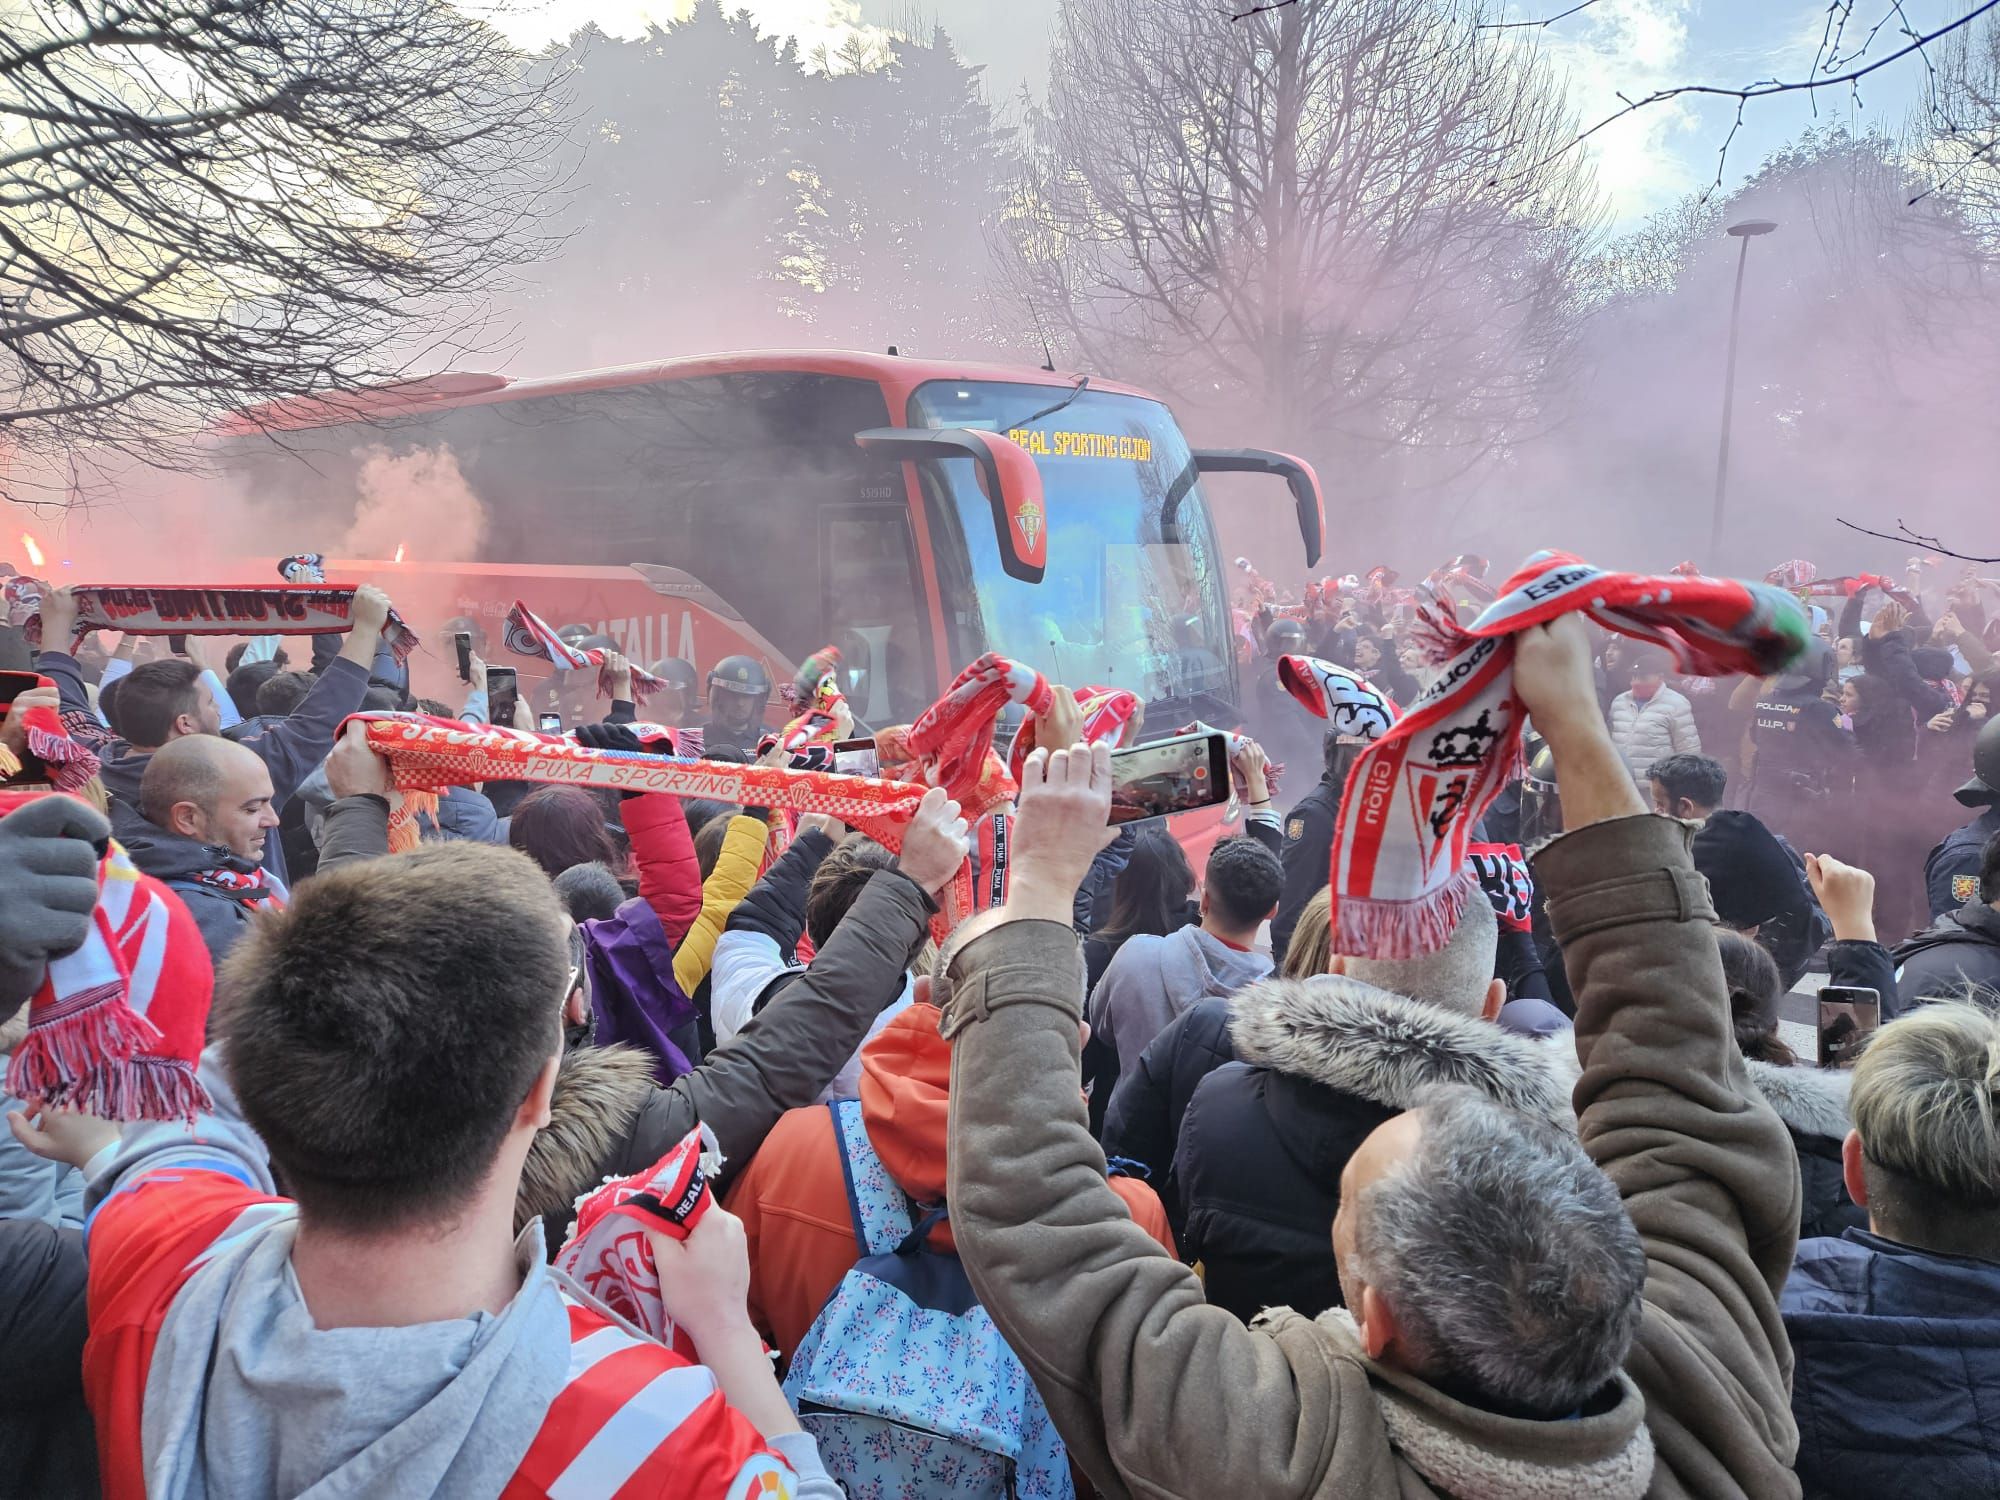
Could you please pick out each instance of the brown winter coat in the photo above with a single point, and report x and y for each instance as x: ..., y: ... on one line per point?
x: 1158, y: 1394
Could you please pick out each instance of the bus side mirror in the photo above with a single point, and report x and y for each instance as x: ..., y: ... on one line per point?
x: 1298, y: 476
x: 1012, y: 483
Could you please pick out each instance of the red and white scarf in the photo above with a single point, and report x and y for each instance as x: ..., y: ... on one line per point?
x: 607, y: 1260
x: 222, y: 609
x: 255, y: 888
x: 1793, y: 575
x: 1107, y: 712
x: 1405, y: 821
x: 823, y: 718
x: 427, y: 755
x: 117, y: 1026
x: 527, y: 634
x: 1352, y: 706
x: 54, y: 754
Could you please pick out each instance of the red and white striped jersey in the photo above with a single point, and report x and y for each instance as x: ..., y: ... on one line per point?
x: 633, y: 1419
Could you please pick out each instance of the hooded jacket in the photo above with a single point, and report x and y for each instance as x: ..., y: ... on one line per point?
x: 1813, y: 1104
x: 206, y: 1372
x: 1157, y: 1394
x: 1962, y: 947
x: 792, y: 1197
x: 1898, y: 1354
x: 1322, y: 1062
x: 1153, y: 979
x: 199, y: 874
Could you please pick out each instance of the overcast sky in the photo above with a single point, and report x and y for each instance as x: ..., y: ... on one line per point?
x: 1616, y: 46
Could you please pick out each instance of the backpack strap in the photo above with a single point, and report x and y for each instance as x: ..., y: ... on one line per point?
x: 878, y: 1204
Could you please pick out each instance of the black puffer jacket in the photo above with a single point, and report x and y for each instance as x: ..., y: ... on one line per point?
x: 1813, y: 1105
x: 1323, y: 1062
x: 1144, y: 1120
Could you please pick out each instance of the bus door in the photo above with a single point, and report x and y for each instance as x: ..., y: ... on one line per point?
x: 872, y: 608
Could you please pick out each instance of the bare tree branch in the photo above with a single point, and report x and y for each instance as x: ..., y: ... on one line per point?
x: 1536, y: 25
x: 1903, y: 535
x: 1763, y: 89
x: 211, y: 204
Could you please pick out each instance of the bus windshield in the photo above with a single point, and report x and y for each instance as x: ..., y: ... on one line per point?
x: 1126, y: 601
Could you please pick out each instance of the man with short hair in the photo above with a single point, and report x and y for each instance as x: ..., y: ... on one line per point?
x: 1151, y: 980
x: 1511, y: 1329
x: 392, y: 1041
x: 164, y: 701
x: 1755, y: 878
x: 206, y: 820
x: 1894, y: 1328
x: 1960, y: 949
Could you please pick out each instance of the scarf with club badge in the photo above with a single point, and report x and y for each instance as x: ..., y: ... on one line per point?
x: 117, y: 1026
x: 1404, y: 827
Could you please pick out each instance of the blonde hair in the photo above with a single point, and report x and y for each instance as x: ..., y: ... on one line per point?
x: 1926, y: 1104
x: 1310, y: 951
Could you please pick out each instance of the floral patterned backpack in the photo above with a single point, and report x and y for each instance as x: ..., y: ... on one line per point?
x: 903, y: 1379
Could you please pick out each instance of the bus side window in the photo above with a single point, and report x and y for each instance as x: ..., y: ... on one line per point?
x: 874, y: 611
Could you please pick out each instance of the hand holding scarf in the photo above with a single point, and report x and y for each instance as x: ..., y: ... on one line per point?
x: 527, y: 634
x: 1404, y: 826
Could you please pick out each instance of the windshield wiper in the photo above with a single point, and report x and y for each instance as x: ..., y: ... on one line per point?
x: 1050, y: 411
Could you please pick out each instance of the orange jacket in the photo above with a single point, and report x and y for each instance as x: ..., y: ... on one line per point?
x: 792, y: 1197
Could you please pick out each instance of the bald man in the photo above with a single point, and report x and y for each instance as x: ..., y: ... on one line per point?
x: 206, y: 812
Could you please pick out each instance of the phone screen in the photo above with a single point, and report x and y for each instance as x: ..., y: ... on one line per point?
x: 856, y: 758
x: 550, y: 723
x: 463, y: 640
x: 1848, y: 1016
x: 501, y: 691
x: 1169, y: 776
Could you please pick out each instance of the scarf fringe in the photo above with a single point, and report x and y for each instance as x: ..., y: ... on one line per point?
x: 1401, y: 929
x: 163, y: 1088
x: 73, y: 1061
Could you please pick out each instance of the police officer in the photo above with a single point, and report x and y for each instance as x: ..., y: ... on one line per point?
x: 1800, y: 750
x: 1951, y: 874
x: 738, y: 689
x: 674, y: 705
x: 1283, y: 727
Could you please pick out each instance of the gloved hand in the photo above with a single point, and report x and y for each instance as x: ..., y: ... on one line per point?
x: 48, y: 889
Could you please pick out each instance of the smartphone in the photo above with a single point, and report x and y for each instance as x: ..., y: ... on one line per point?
x: 549, y: 723
x: 1848, y: 1016
x: 177, y: 644
x: 501, y: 691
x: 463, y: 640
x: 1169, y: 776
x: 856, y: 758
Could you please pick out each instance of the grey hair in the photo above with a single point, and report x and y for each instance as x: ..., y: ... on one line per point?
x: 1505, y: 1255
x: 1926, y: 1103
x: 1456, y: 976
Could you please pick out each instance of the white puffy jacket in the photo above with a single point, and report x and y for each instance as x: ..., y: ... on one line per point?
x: 1645, y: 732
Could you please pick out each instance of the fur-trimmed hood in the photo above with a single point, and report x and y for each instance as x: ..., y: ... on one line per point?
x: 1812, y: 1101
x: 598, y: 1094
x: 1388, y: 1048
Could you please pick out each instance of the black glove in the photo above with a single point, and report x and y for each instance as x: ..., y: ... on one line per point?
x: 608, y: 737
x: 48, y: 889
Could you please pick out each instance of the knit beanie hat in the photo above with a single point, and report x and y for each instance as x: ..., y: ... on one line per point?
x: 1749, y: 873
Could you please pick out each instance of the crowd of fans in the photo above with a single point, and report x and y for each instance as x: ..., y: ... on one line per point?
x: 1131, y: 1183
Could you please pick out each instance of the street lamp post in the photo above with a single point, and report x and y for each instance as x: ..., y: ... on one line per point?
x: 1746, y: 231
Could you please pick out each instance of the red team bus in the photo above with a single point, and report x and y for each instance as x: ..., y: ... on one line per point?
x: 913, y: 512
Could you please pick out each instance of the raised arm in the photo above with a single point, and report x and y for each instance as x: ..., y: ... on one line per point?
x: 727, y: 884
x: 787, y: 1053
x: 1664, y: 1103
x: 1155, y: 1392
x: 663, y: 849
